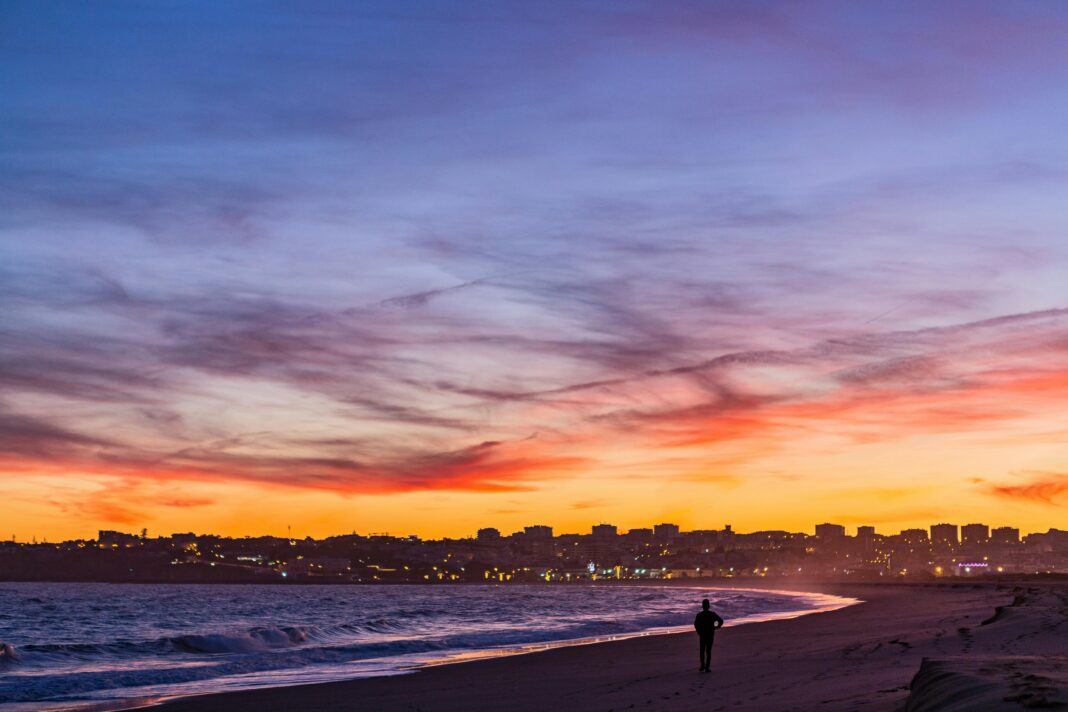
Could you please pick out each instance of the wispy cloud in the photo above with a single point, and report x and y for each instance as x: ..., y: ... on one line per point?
x: 1039, y: 488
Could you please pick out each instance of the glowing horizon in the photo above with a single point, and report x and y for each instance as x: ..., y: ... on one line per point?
x: 423, y: 270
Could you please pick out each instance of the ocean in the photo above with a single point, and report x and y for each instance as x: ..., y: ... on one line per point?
x: 109, y: 646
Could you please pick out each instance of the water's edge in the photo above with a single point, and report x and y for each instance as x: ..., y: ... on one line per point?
x: 826, y: 604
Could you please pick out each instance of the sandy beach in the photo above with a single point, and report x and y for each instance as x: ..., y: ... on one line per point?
x: 905, y: 647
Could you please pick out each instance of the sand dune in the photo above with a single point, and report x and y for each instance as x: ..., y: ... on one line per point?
x: 993, y: 674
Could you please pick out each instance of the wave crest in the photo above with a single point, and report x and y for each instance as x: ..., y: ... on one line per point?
x: 250, y: 641
x: 8, y: 654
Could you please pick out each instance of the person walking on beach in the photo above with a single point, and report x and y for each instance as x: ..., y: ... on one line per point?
x: 705, y: 624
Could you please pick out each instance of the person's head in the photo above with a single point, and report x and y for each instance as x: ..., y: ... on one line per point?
x: 704, y: 604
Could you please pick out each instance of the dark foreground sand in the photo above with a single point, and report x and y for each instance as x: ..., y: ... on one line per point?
x: 981, y: 647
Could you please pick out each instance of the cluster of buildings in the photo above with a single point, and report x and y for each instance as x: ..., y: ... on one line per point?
x: 663, y: 551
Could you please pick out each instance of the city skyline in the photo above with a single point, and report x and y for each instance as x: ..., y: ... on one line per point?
x: 537, y: 553
x: 417, y: 267
x: 602, y: 526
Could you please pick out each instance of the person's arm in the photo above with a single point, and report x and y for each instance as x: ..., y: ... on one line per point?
x: 696, y: 621
x: 718, y: 621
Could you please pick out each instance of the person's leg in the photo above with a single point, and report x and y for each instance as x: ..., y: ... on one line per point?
x: 706, y: 652
x: 701, y: 650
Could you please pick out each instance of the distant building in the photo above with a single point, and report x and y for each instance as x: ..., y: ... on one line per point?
x: 319, y: 566
x: 665, y: 532
x: 538, y: 531
x: 1053, y: 540
x: 914, y: 537
x: 727, y: 535
x: 641, y: 534
x: 830, y: 531
x: 114, y: 538
x: 1005, y: 535
x: 945, y: 534
x: 604, y: 531
x: 489, y: 534
x: 866, y: 536
x: 974, y: 534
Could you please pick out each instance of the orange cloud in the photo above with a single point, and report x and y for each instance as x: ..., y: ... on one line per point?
x: 1044, y: 488
x: 865, y: 414
x: 489, y: 466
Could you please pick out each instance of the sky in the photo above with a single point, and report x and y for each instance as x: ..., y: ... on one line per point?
x: 420, y: 268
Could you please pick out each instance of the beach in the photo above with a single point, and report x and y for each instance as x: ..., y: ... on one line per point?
x: 918, y: 647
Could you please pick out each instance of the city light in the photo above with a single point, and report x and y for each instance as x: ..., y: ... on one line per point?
x: 537, y: 554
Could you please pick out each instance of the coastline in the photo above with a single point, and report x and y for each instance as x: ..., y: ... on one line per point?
x: 793, y: 604
x: 829, y: 603
x: 860, y: 657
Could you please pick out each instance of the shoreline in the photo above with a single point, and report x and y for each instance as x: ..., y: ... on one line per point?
x: 837, y: 603
x: 860, y: 657
x: 815, y: 601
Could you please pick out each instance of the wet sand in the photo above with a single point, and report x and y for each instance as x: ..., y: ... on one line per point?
x: 981, y: 646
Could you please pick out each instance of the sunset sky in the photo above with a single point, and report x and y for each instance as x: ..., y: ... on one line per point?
x: 425, y: 267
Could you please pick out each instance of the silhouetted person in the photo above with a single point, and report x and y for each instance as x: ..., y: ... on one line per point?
x: 705, y: 624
